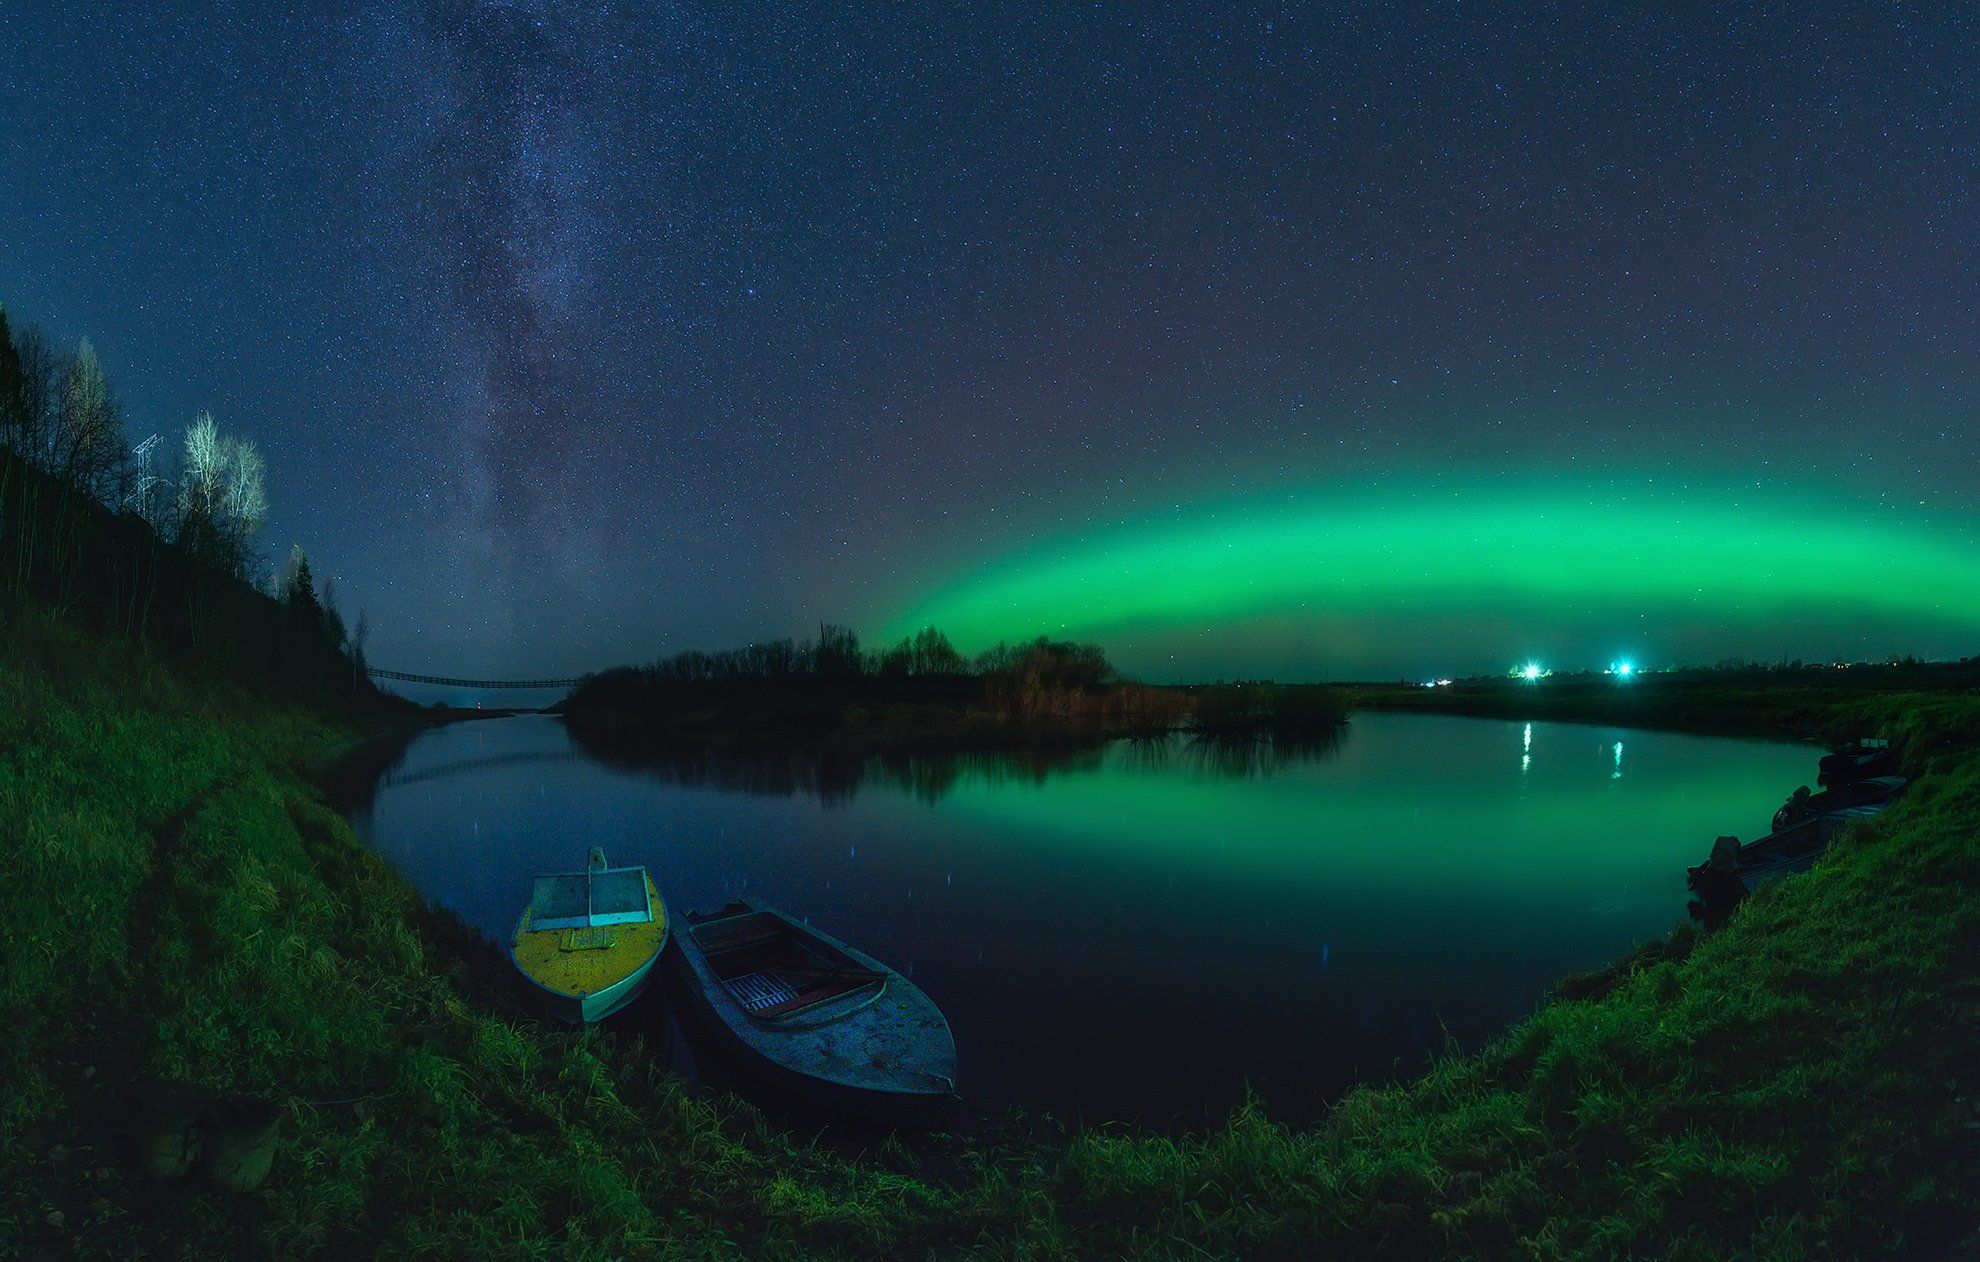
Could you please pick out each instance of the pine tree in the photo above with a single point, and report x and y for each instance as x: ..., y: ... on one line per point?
x: 333, y: 621
x: 300, y: 593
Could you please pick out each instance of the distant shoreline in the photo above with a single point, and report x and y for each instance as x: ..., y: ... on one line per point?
x: 1787, y: 706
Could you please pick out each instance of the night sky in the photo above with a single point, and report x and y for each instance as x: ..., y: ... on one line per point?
x: 1245, y: 341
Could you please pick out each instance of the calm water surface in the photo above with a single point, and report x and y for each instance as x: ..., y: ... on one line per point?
x: 1138, y: 932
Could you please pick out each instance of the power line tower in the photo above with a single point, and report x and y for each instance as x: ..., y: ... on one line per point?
x: 144, y: 480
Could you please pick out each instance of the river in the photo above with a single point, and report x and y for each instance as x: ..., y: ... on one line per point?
x: 1137, y: 932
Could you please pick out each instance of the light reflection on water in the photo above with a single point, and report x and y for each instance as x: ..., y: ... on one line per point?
x: 1140, y: 930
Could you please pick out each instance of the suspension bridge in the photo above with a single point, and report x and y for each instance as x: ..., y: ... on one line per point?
x: 378, y: 672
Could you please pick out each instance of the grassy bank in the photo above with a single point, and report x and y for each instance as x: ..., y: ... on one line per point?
x: 184, y: 905
x: 1801, y: 1084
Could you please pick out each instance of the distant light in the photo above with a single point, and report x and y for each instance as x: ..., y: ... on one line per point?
x: 1625, y: 669
x: 1530, y: 671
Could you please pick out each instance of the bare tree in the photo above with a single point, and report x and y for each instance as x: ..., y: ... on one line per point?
x: 199, y: 469
x: 86, y: 444
x: 12, y: 403
x: 15, y: 447
x: 223, y: 499
x: 244, y: 503
x: 35, y: 369
x: 40, y: 369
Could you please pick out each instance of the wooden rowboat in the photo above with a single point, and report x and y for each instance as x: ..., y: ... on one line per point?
x: 1876, y: 791
x: 820, y: 1018
x: 1735, y: 870
x: 1856, y: 760
x: 588, y: 940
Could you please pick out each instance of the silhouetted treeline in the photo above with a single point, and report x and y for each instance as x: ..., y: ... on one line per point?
x: 1285, y: 713
x: 156, y: 549
x: 835, y: 654
x: 919, y: 688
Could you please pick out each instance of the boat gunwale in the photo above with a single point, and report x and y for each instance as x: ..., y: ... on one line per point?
x: 707, y: 993
x: 655, y: 901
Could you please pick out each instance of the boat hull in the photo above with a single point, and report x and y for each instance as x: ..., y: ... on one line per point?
x: 1877, y: 791
x: 820, y: 1063
x: 573, y: 997
x: 1846, y: 766
x: 1778, y: 855
x: 594, y: 1007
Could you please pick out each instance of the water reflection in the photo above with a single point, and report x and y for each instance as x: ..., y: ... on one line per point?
x: 396, y: 776
x: 835, y: 773
x: 1242, y: 756
x: 1145, y: 930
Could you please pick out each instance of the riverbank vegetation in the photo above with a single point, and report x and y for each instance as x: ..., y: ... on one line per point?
x: 1799, y: 1084
x: 1817, y: 703
x: 919, y: 691
x: 922, y: 693
x: 153, y: 548
x: 1284, y: 714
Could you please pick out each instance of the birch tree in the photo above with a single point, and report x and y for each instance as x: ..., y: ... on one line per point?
x: 199, y: 470
x: 223, y: 499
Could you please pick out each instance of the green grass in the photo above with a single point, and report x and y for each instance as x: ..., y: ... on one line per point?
x: 179, y: 901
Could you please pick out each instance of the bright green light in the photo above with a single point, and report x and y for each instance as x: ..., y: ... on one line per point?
x: 1625, y: 670
x: 1530, y: 671
x: 1498, y: 557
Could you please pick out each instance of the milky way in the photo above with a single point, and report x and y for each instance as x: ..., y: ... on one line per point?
x: 576, y: 336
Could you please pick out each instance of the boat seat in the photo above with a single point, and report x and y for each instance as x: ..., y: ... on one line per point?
x: 738, y: 940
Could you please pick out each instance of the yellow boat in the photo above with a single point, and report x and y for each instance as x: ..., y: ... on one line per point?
x: 588, y: 939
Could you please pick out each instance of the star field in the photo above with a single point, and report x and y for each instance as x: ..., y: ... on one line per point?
x: 578, y: 335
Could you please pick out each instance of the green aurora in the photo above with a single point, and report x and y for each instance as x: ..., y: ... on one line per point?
x: 1477, y: 577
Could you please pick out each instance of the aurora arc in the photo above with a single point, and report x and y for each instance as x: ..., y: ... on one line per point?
x: 1726, y: 558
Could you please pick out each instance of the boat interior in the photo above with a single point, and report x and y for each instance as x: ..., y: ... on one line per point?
x: 774, y: 969
x: 1791, y: 842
